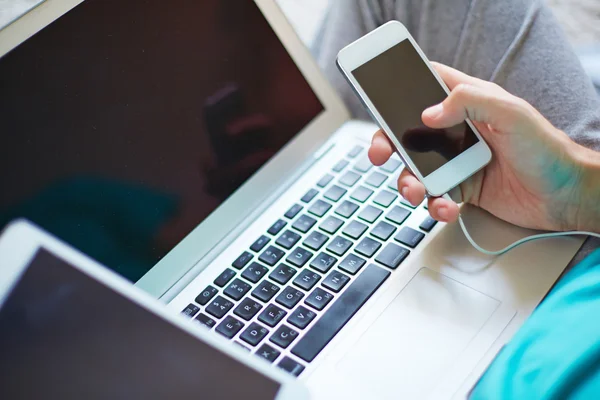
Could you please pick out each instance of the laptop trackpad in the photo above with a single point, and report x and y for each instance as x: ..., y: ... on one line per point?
x: 418, y: 337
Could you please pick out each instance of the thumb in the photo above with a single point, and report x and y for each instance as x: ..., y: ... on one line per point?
x: 489, y: 105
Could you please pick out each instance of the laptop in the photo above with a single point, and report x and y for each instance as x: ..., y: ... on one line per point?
x: 71, y: 329
x: 198, y: 151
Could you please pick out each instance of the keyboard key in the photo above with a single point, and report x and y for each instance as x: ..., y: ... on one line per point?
x: 276, y: 227
x: 318, y: 299
x: 383, y: 230
x: 349, y: 178
x: 205, y: 320
x: 393, y: 182
x: 331, y: 225
x: 356, y: 150
x: 319, y: 208
x: 409, y: 237
x: 283, y: 336
x: 335, y: 281
x: 346, y: 209
x: 229, y: 327
x: 291, y: 366
x: 301, y: 317
x: 370, y: 214
x: 392, y: 255
x: 289, y: 297
x: 361, y: 194
x: 398, y: 215
x: 307, y: 279
x: 260, y: 243
x: 272, y: 315
x: 376, y: 179
x: 254, y: 334
x: 219, y: 307
x: 293, y: 211
x: 299, y: 257
x: 265, y: 291
x: 385, y: 198
x: 340, y: 312
x: 268, y: 353
x: 247, y: 309
x: 242, y: 260
x: 271, y: 255
x: 428, y: 224
x: 323, y: 262
x: 288, y: 239
x: 304, y: 223
x: 190, y: 310
x: 237, y: 289
x: 308, y: 196
x: 354, y: 229
x: 334, y: 193
x: 340, y: 166
x: 315, y: 240
x: 352, y: 264
x: 254, y: 272
x: 363, y: 164
x: 339, y: 246
x: 225, y: 277
x: 367, y: 247
x: 324, y: 181
x: 282, y: 274
x: 206, y: 295
x: 391, y: 165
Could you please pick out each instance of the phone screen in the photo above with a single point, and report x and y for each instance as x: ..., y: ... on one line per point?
x: 401, y: 87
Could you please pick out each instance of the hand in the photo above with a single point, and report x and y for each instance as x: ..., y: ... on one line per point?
x: 536, y: 175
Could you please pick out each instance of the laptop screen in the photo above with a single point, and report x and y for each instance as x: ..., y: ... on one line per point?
x: 63, y: 335
x: 124, y: 124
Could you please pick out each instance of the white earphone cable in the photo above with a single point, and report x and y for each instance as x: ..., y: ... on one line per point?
x: 521, y: 241
x: 518, y: 242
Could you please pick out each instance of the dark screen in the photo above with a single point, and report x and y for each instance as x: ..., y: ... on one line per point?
x: 124, y: 124
x: 65, y: 336
x: 401, y: 87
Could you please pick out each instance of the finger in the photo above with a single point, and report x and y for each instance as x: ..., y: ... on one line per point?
x: 500, y: 110
x: 381, y: 149
x: 410, y: 188
x: 453, y: 77
x: 442, y: 210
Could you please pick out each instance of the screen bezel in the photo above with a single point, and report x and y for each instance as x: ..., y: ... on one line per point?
x: 19, y: 244
x: 455, y: 171
x: 205, y: 242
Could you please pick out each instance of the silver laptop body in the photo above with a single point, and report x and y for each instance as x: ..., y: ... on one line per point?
x: 316, y: 264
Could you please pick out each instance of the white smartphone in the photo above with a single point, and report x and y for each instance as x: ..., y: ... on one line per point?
x: 396, y: 83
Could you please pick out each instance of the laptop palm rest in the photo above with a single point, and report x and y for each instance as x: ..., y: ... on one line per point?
x: 419, y: 337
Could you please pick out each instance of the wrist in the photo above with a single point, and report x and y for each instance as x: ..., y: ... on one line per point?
x: 587, y: 196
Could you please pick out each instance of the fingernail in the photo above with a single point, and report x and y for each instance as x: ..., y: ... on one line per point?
x: 434, y: 111
x: 404, y: 192
x: 377, y: 138
x: 443, y: 213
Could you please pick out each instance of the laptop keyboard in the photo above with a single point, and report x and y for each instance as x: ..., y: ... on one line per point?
x: 318, y: 254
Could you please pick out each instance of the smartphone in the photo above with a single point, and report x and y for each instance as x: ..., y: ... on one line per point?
x: 396, y: 83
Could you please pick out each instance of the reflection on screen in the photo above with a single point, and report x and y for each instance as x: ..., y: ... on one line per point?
x: 125, y: 123
x: 401, y: 87
x: 65, y: 336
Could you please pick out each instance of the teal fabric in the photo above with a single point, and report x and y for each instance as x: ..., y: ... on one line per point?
x: 556, y: 354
